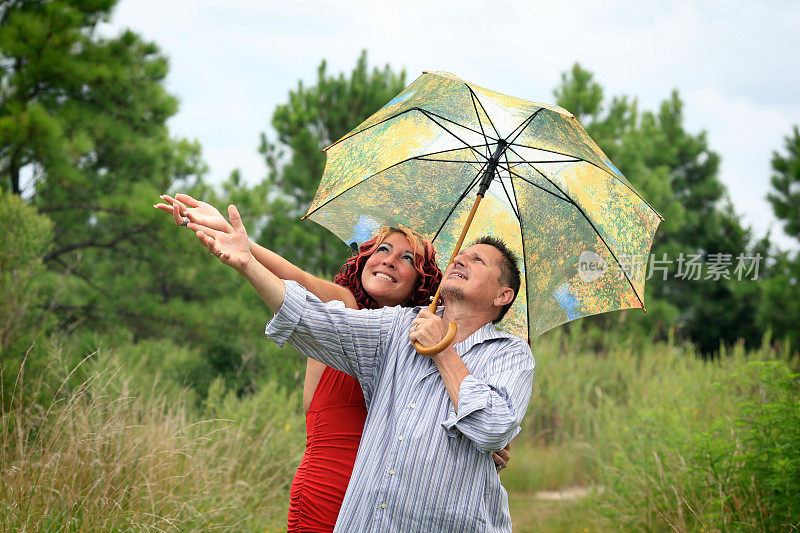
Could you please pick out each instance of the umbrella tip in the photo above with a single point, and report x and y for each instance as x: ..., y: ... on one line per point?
x: 424, y: 71
x: 643, y: 308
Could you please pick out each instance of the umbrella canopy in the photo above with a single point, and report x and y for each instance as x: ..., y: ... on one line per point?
x: 551, y: 194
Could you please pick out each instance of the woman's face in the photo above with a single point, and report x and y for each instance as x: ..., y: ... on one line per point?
x: 389, y: 275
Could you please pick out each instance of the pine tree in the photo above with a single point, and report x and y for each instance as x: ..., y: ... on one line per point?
x: 677, y: 173
x: 313, y: 118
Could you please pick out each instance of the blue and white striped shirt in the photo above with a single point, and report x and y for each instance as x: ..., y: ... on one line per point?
x: 420, y: 466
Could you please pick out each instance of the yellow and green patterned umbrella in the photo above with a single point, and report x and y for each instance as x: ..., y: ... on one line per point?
x: 548, y: 190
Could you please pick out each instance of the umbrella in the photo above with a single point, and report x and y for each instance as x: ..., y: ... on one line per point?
x: 431, y: 155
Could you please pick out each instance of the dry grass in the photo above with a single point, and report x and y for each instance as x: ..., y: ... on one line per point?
x: 88, y: 461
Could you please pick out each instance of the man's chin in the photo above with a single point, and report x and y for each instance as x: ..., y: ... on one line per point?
x: 454, y: 294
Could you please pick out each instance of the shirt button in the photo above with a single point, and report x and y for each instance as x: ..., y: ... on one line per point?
x: 391, y: 472
x: 383, y: 506
x: 400, y: 437
x: 413, y: 405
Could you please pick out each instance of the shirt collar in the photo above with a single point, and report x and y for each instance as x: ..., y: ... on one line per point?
x: 485, y: 333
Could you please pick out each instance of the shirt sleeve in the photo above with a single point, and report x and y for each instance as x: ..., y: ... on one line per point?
x: 349, y: 340
x: 491, y: 407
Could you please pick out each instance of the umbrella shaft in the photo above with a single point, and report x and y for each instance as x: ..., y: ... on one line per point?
x: 491, y: 167
x: 486, y: 180
x: 435, y: 302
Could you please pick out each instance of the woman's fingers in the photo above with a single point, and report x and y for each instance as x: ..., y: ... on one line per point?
x: 208, y: 242
x: 188, y: 200
x: 236, y: 220
x: 502, y: 457
x: 500, y: 462
x: 205, y: 229
x: 179, y: 211
x: 504, y: 454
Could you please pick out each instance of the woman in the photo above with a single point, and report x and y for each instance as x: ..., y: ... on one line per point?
x: 396, y: 267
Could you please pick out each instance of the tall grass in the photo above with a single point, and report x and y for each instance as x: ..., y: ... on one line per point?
x: 675, y: 442
x: 664, y: 440
x: 88, y: 460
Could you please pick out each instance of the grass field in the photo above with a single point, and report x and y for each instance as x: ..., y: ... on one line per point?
x: 660, y: 439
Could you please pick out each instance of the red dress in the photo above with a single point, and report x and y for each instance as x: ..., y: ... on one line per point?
x: 334, y: 424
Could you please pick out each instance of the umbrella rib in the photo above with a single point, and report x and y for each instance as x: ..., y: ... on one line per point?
x: 510, y: 144
x: 581, y: 211
x: 514, y: 208
x: 466, y: 144
x: 480, y: 122
x: 610, y: 251
x: 543, y: 176
x: 513, y: 203
x: 426, y: 112
x: 516, y: 202
x: 580, y: 159
x: 329, y: 200
x: 353, y: 134
x: 441, y: 152
x: 423, y: 111
x: 522, y: 125
x: 463, y: 195
x: 471, y: 163
x: 564, y: 198
x: 475, y: 96
x: 548, y: 151
x: 544, y: 161
x: 524, y: 255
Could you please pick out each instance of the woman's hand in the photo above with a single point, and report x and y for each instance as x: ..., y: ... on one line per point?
x: 197, y: 212
x: 502, y: 457
x: 233, y: 248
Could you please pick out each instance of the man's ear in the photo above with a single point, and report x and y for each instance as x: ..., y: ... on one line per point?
x: 504, y: 297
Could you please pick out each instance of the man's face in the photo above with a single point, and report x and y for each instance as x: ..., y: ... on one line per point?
x: 474, y: 276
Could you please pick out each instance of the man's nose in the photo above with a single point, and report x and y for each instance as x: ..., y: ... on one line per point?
x: 459, y: 260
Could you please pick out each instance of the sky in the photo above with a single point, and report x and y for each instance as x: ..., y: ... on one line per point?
x: 733, y: 62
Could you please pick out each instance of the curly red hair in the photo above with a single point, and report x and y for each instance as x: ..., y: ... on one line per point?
x: 428, y: 274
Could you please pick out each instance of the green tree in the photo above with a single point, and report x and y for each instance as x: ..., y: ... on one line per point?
x: 780, y: 300
x: 25, y: 236
x: 785, y: 181
x: 83, y: 138
x: 313, y: 118
x: 678, y: 174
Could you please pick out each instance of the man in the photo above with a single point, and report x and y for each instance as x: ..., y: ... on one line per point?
x: 424, y: 463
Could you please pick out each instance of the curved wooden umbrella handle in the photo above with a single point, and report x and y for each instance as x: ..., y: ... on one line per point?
x: 441, y: 345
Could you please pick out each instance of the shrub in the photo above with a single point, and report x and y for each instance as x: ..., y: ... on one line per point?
x: 769, y: 427
x: 24, y: 238
x: 716, y: 454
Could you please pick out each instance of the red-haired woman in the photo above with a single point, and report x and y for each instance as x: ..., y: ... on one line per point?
x: 396, y: 267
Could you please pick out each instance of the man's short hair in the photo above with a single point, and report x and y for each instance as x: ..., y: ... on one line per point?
x: 509, y: 269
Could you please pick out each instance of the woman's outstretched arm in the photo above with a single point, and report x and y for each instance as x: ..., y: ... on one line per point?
x: 206, y: 217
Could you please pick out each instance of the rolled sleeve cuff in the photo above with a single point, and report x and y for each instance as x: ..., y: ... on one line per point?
x: 472, y: 396
x: 280, y: 328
